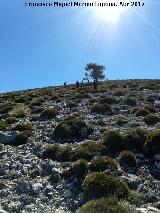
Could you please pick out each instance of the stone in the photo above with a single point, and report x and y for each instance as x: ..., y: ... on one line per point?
x: 132, y: 180
x: 157, y: 157
x: 7, y: 137
x: 36, y: 188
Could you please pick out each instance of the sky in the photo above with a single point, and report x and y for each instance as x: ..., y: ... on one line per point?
x: 46, y: 46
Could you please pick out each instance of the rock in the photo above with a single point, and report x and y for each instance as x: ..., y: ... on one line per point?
x: 67, y: 194
x: 2, y: 211
x: 7, y: 137
x: 132, y: 180
x: 157, y: 157
x: 23, y: 187
x: 157, y: 164
x: 36, y: 188
x: 148, y: 209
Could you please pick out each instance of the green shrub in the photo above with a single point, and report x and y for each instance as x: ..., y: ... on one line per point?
x: 86, y: 150
x: 71, y: 128
x: 23, y: 127
x: 79, y: 168
x: 135, y: 139
x: 150, y: 99
x: 127, y: 158
x: 130, y: 102
x: 21, y: 138
x: 150, y: 109
x: 11, y: 120
x: 101, y: 108
x: 97, y: 185
x: 37, y: 110
x: 119, y: 93
x: 103, y: 163
x: 5, y: 108
x: 151, y: 119
x: 3, y: 126
x: 19, y: 112
x: 134, y: 110
x: 57, y: 152
x: 152, y: 145
x: 142, y: 112
x: 113, y: 141
x: 108, y: 100
x: 64, y: 153
x: 49, y: 113
x: 37, y: 101
x: 106, y: 205
x: 50, y: 151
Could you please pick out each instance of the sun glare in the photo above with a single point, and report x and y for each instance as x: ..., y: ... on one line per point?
x: 110, y: 14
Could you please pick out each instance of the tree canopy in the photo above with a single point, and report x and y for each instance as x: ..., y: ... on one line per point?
x: 96, y: 71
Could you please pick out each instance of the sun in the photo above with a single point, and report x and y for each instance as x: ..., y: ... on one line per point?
x: 108, y: 14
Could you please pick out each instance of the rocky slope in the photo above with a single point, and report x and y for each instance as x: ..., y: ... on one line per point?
x: 44, y: 132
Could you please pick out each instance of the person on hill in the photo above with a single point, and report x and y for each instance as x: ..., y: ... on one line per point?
x: 77, y: 84
x: 65, y: 84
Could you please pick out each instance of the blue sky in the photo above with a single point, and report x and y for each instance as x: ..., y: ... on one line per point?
x: 46, y: 46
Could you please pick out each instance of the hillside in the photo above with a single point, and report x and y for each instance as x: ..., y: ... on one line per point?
x: 61, y: 147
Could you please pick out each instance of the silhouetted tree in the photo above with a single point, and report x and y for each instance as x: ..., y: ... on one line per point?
x: 96, y: 71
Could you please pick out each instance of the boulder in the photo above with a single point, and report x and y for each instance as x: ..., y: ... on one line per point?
x: 7, y: 137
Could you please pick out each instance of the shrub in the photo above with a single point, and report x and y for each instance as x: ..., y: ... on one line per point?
x: 127, y: 158
x: 113, y: 141
x: 101, y: 108
x: 23, y: 127
x: 150, y: 109
x: 103, y: 163
x: 19, y: 112
x: 142, y: 112
x: 86, y: 150
x: 64, y: 153
x: 97, y: 185
x: 119, y: 93
x: 106, y: 205
x: 79, y: 168
x: 3, y: 126
x: 152, y: 145
x: 135, y: 139
x: 151, y: 119
x: 130, y: 102
x: 11, y: 120
x: 49, y: 113
x: 71, y: 128
x: 134, y: 110
x: 37, y: 101
x: 57, y: 152
x: 108, y: 100
x: 5, y: 108
x: 22, y: 137
x: 37, y: 110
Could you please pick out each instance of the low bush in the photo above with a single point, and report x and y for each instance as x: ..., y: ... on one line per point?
x: 106, y: 205
x: 113, y: 141
x: 19, y: 112
x: 37, y: 109
x: 49, y: 113
x: 102, y: 164
x: 23, y: 127
x: 150, y: 109
x: 79, y: 168
x: 5, y: 108
x: 130, y: 102
x: 127, y: 158
x: 101, y: 108
x: 11, y: 120
x: 108, y: 100
x: 152, y: 145
x: 4, y: 126
x: 22, y: 137
x: 142, y: 112
x: 71, y: 128
x: 151, y: 119
x: 97, y: 185
x: 57, y: 152
x: 135, y: 139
